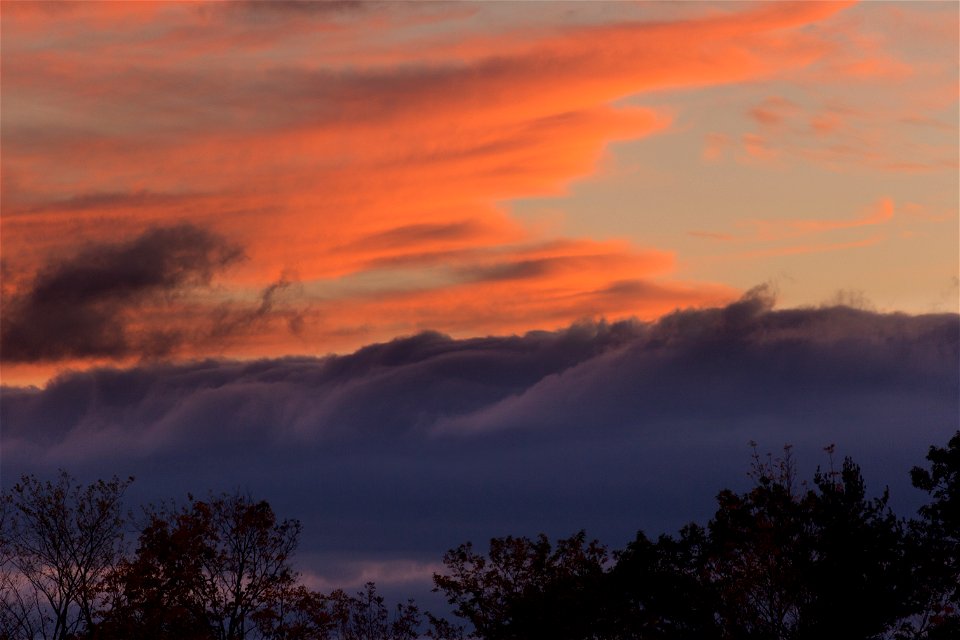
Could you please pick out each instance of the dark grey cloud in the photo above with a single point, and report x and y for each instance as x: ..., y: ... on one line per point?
x: 79, y: 306
x: 231, y: 319
x: 400, y: 450
x: 521, y: 269
x: 293, y: 8
x: 416, y: 234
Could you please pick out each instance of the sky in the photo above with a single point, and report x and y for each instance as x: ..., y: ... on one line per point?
x: 403, y: 267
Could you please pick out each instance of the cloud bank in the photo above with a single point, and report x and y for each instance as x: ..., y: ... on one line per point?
x: 402, y: 449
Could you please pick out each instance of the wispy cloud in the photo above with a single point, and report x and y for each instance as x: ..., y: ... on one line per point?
x: 765, y: 232
x: 801, y: 249
x: 876, y: 214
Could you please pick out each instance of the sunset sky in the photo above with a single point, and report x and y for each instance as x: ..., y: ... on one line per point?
x: 329, y: 175
x: 217, y: 216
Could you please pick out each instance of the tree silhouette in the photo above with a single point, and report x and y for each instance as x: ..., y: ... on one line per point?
x: 785, y: 560
x: 526, y: 588
x: 295, y: 614
x: 213, y: 569
x: 936, y: 545
x: 809, y: 562
x: 658, y: 589
x: 365, y: 616
x: 58, y: 542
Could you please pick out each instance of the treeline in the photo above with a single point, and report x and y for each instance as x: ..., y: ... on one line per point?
x: 784, y: 560
x: 213, y: 569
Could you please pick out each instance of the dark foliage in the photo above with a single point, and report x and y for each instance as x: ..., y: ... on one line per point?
x: 215, y: 569
x: 527, y: 588
x: 811, y: 563
x: 784, y: 560
x: 936, y: 545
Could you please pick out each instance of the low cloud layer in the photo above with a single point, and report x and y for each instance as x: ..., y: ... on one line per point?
x: 400, y: 450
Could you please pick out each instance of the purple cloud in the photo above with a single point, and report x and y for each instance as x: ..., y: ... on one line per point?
x: 400, y: 450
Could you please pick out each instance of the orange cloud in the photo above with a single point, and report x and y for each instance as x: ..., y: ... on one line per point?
x: 715, y: 146
x: 859, y: 128
x: 342, y: 148
x: 921, y: 212
x: 773, y: 111
x: 878, y: 213
x: 807, y: 248
x: 758, y: 148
